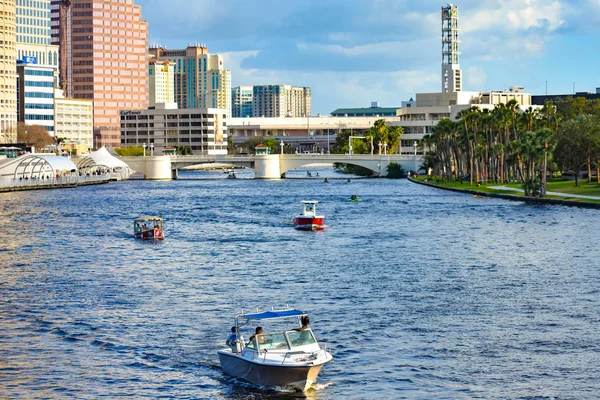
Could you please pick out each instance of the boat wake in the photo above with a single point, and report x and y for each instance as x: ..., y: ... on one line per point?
x: 320, y: 386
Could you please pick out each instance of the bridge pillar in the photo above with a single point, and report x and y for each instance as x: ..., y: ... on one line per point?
x: 156, y: 167
x: 175, y: 174
x: 267, y: 166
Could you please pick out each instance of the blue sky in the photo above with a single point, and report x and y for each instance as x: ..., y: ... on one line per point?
x: 352, y: 52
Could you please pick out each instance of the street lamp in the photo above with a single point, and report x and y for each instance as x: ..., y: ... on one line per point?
x: 151, y: 149
x: 385, y: 148
x: 379, y: 148
x: 144, y: 146
x: 415, y: 146
x: 281, y: 144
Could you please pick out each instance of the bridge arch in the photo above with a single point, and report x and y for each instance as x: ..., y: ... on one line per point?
x: 376, y: 168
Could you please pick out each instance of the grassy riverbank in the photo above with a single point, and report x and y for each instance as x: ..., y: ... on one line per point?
x: 562, y: 188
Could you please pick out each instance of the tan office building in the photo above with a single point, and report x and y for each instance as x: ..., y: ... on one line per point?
x: 108, y: 62
x: 8, y: 72
x: 74, y: 121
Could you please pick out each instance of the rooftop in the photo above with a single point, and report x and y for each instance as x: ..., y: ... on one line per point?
x: 366, y: 110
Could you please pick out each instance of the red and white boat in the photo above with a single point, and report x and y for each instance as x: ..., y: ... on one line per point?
x: 148, y: 228
x: 309, y: 220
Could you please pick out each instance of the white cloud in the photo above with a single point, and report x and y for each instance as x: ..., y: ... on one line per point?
x: 475, y: 79
x: 515, y: 16
x: 332, y: 89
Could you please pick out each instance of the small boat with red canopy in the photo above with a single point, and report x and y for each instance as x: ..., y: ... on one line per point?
x: 148, y: 228
x: 309, y: 220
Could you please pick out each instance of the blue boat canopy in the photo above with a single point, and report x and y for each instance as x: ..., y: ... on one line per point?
x: 274, y: 314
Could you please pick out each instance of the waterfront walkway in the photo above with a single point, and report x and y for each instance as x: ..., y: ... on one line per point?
x: 558, y: 194
x: 14, y: 185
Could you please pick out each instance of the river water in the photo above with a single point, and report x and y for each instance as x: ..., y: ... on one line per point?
x: 421, y: 293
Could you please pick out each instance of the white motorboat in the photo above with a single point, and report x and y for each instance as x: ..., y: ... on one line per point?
x: 291, y: 358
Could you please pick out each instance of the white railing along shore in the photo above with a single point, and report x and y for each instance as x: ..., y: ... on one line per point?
x: 53, y: 182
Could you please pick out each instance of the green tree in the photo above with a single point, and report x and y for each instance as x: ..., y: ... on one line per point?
x: 130, y: 151
x: 34, y: 134
x: 577, y: 141
x: 395, y: 171
x: 184, y: 150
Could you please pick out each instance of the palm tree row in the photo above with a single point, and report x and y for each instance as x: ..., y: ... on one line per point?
x: 499, y: 145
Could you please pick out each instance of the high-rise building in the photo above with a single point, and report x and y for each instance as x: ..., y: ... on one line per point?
x: 281, y: 101
x: 107, y: 61
x: 241, y: 101
x: 201, y: 81
x: 161, y: 76
x: 451, y: 73
x: 8, y: 74
x: 34, y: 34
x: 35, y: 94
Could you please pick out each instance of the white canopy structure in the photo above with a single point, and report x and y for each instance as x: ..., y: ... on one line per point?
x: 102, y: 160
x: 38, y: 166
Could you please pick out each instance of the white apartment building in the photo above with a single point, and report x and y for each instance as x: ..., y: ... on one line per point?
x: 203, y: 129
x: 281, y: 101
x: 74, y: 121
x: 161, y: 76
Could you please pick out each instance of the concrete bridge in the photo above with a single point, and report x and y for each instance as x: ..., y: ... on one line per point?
x: 267, y: 166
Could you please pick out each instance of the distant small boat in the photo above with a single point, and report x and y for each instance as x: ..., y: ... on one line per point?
x: 309, y: 220
x: 231, y: 175
x: 354, y: 198
x: 148, y: 228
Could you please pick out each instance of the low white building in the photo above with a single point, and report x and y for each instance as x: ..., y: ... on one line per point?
x: 204, y: 130
x: 74, y: 121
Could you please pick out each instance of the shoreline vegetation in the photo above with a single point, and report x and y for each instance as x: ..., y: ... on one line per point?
x: 559, y: 191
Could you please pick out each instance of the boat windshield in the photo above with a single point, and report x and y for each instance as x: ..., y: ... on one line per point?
x: 282, y: 341
x: 301, y: 338
x: 273, y: 341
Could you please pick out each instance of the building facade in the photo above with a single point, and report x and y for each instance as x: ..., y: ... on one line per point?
x: 161, y: 76
x: 204, y: 130
x: 74, y: 122
x: 241, y: 99
x: 33, y: 31
x: 281, y: 101
x: 107, y: 60
x: 201, y: 81
x: 35, y: 95
x: 8, y: 73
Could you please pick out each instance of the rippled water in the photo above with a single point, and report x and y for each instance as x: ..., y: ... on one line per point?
x: 420, y: 293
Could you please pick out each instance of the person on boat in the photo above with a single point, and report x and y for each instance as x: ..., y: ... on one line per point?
x: 304, y: 336
x: 305, y: 320
x: 144, y: 227
x: 259, y: 332
x: 326, y: 180
x: 349, y: 180
x: 232, y: 340
x: 137, y: 228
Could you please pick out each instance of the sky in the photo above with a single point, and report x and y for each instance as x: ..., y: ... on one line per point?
x: 353, y: 52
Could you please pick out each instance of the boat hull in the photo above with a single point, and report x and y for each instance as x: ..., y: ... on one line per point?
x: 309, y: 223
x: 150, y: 235
x: 297, y: 377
